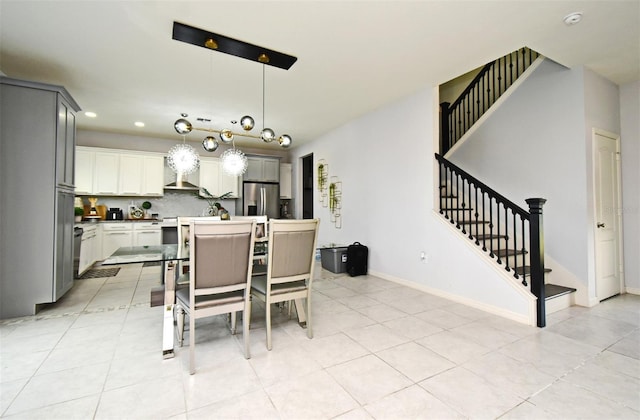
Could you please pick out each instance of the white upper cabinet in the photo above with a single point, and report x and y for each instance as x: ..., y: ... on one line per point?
x: 117, y: 172
x: 285, y: 180
x: 215, y: 180
x: 85, y: 162
x: 106, y: 173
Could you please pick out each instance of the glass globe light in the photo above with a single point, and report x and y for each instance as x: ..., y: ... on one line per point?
x: 183, y: 158
x: 247, y: 122
x: 210, y: 144
x: 267, y: 135
x: 234, y: 162
x: 226, y: 136
x: 182, y: 126
x: 285, y: 140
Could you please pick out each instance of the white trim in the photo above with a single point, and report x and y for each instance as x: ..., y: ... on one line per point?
x: 520, y: 80
x: 633, y: 290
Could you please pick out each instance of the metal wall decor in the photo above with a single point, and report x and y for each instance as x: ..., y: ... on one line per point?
x: 335, y: 201
x: 323, y: 181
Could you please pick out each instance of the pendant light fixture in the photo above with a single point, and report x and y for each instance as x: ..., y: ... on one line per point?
x: 234, y: 161
x: 182, y: 158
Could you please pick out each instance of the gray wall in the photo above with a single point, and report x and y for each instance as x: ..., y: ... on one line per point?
x: 630, y: 149
x: 386, y: 164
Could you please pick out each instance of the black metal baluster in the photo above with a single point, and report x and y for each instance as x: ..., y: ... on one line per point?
x: 524, y: 264
x: 515, y: 245
x: 475, y: 213
x: 507, y: 234
x: 484, y: 225
x: 469, y: 208
x: 458, y: 201
x: 491, y: 253
x: 498, y: 229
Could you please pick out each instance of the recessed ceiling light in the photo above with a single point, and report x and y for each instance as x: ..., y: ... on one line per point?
x: 572, y: 18
x: 139, y: 124
x: 90, y: 114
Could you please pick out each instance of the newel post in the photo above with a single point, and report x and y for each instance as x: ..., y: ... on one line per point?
x: 536, y: 244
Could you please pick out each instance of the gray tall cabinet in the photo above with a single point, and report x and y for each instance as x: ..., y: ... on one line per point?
x: 37, y: 153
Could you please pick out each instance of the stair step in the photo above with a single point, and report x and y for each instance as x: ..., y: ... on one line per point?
x: 526, y: 270
x: 553, y: 291
x: 489, y: 237
x: 509, y: 252
x: 473, y: 222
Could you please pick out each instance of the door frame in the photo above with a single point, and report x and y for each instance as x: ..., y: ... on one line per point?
x: 618, y: 216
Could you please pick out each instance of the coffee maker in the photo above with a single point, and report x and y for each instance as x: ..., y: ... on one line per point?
x: 114, y: 213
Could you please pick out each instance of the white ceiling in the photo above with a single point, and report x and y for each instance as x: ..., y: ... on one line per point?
x: 117, y: 58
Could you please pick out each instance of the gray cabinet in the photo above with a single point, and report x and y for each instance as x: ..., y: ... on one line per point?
x: 37, y: 143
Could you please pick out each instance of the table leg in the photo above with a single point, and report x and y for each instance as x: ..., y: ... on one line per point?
x: 302, y: 315
x: 167, y: 332
x: 169, y: 277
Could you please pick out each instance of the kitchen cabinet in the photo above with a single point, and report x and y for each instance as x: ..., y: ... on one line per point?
x: 285, y: 180
x: 147, y: 234
x: 262, y: 169
x: 119, y: 234
x: 85, y: 162
x: 114, y: 236
x: 141, y: 174
x: 117, y: 172
x: 37, y: 139
x: 106, y: 173
x: 88, y: 248
x: 215, y: 180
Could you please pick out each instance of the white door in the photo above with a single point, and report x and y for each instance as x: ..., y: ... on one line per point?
x: 606, y: 162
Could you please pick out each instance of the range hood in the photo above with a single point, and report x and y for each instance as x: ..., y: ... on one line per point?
x: 180, y: 184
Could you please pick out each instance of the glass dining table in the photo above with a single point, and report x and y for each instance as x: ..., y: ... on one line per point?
x: 168, y: 256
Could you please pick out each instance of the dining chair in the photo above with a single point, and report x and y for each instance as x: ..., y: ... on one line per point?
x: 183, y: 239
x: 220, y: 257
x: 290, y: 264
x: 261, y: 246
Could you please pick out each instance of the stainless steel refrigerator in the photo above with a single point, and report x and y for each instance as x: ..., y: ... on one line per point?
x: 260, y: 199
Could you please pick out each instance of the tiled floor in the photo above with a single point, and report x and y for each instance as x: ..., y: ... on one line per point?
x: 380, y: 351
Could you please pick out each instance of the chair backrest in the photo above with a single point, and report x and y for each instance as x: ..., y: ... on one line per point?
x: 221, y: 254
x: 183, y: 226
x: 292, y: 249
x: 261, y: 225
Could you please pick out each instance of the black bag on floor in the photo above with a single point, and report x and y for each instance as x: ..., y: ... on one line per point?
x: 357, y: 259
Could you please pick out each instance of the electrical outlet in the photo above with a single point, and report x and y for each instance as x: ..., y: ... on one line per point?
x: 424, y: 257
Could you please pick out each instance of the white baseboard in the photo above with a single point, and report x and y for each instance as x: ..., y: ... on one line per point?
x: 633, y: 290
x: 455, y: 298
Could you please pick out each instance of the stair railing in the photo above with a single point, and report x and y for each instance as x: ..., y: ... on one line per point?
x: 497, y: 225
x: 483, y: 91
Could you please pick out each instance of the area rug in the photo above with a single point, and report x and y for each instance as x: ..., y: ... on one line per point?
x: 99, y: 272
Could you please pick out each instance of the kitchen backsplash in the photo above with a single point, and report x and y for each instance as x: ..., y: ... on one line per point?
x: 171, y: 205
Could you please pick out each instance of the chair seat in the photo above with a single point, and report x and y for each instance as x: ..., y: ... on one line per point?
x: 210, y: 300
x: 259, y: 283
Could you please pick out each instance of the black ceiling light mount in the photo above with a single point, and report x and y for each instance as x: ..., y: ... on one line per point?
x: 224, y: 44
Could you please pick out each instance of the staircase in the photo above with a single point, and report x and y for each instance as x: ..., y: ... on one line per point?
x: 508, y: 234
x: 511, y: 236
x: 484, y: 90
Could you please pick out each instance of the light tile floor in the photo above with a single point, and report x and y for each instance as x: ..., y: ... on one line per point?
x: 380, y: 351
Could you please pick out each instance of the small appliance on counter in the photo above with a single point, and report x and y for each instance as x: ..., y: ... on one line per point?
x: 114, y: 213
x: 93, y: 213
